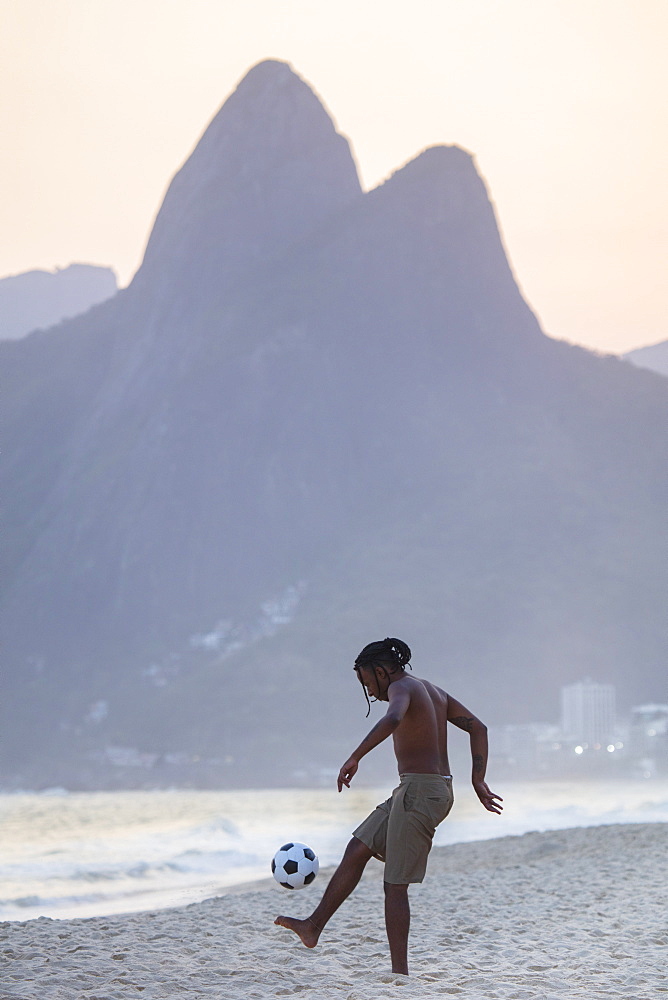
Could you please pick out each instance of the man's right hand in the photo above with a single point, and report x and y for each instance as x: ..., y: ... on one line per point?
x: 487, y: 797
x: 347, y: 773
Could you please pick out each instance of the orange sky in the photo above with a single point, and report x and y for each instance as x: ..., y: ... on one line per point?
x: 563, y: 102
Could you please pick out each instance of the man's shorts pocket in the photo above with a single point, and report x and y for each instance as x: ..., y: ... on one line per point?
x: 433, y: 807
x: 438, y: 807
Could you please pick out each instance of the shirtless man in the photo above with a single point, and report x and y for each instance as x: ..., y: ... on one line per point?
x: 400, y: 830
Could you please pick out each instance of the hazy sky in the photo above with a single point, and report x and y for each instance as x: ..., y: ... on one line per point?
x: 563, y: 102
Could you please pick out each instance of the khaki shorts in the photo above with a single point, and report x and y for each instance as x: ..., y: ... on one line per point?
x: 400, y: 831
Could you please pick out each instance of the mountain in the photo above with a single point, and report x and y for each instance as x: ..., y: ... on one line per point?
x: 654, y: 357
x: 40, y: 299
x: 316, y: 417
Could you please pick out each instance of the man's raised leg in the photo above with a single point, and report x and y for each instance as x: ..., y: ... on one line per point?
x: 397, y: 924
x: 341, y: 884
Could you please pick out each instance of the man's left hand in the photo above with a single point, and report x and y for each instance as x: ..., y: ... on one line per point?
x: 487, y: 797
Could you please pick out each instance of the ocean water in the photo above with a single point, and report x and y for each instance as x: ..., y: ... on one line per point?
x: 96, y: 853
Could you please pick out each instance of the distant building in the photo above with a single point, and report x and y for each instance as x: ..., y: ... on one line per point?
x: 649, y: 733
x: 522, y: 749
x: 588, y: 713
x: 514, y: 746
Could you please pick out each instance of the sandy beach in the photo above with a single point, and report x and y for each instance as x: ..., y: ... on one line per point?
x: 554, y: 915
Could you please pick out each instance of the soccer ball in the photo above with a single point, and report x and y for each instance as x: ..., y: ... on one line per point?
x: 294, y: 866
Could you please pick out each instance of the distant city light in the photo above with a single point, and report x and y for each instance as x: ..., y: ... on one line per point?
x: 593, y: 738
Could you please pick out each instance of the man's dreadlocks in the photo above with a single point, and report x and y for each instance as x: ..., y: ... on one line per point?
x: 392, y: 654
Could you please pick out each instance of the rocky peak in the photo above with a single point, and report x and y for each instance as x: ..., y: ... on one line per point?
x: 441, y: 187
x: 269, y: 168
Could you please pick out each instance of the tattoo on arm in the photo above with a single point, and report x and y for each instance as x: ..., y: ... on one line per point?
x: 478, y: 764
x: 463, y: 722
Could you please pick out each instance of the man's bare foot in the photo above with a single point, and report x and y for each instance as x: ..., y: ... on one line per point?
x: 304, y: 929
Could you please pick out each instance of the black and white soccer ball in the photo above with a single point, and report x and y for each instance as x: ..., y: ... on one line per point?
x: 294, y: 866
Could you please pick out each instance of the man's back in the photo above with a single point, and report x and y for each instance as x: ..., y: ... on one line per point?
x: 420, y: 741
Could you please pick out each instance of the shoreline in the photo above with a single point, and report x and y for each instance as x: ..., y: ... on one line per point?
x: 547, y: 915
x: 101, y: 890
x: 441, y: 855
x: 83, y: 855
